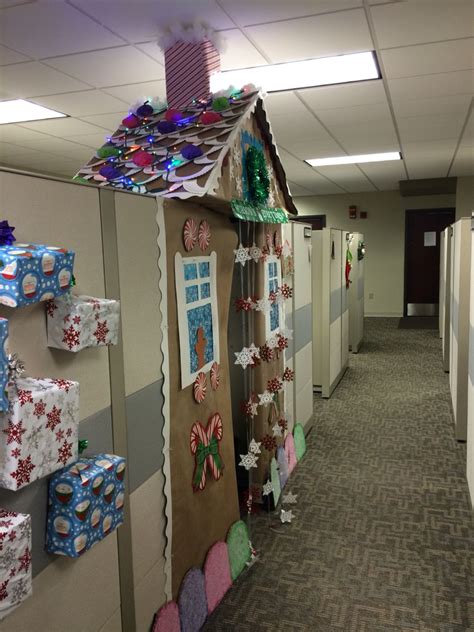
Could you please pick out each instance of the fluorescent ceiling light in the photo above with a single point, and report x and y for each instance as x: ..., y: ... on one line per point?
x: 352, y: 160
x: 19, y: 110
x: 302, y: 74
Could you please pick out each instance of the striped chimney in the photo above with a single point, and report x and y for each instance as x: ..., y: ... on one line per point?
x: 188, y: 68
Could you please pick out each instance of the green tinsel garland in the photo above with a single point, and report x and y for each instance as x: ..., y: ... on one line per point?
x: 257, y: 175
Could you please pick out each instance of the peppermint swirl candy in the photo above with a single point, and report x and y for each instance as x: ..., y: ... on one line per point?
x: 190, y: 234
x: 215, y: 376
x: 204, y: 235
x: 200, y: 387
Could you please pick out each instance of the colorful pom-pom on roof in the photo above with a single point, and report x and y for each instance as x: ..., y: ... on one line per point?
x: 174, y: 116
x: 110, y: 173
x: 190, y: 152
x: 145, y: 110
x: 166, y: 127
x: 107, y: 151
x: 142, y: 158
x: 208, y: 118
x: 131, y: 121
x: 220, y: 103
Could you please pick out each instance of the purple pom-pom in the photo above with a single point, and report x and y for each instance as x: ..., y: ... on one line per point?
x: 110, y: 173
x: 145, y: 110
x: 6, y: 233
x: 190, y: 152
x: 166, y: 127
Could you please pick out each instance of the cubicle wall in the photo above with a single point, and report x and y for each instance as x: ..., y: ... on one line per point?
x: 470, y: 384
x: 459, y: 327
x: 299, y: 314
x: 114, y: 237
x: 356, y: 294
x: 330, y: 309
x: 445, y: 294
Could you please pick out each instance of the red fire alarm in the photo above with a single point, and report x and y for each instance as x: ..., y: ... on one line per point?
x: 352, y: 212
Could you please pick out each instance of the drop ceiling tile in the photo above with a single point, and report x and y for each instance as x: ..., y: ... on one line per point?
x: 385, y: 175
x: 152, y: 50
x: 92, y: 140
x: 35, y: 79
x: 19, y: 135
x: 59, y: 147
x: 49, y: 28
x: 109, y: 122
x: 429, y: 159
x: 347, y: 95
x: 64, y: 127
x: 428, y: 169
x: 443, y: 84
x: 463, y: 164
x: 347, y: 176
x: 133, y: 91
x: 469, y: 129
x: 432, y: 127
x: 247, y: 12
x: 302, y: 127
x: 428, y: 58
x: 9, y: 150
x: 307, y: 149
x: 9, y: 56
x: 284, y: 104
x: 320, y: 36
x: 141, y: 20
x: 111, y: 67
x: 455, y: 105
x: 374, y: 114
x: 366, y: 138
x: 418, y: 21
x: 239, y: 52
x: 4, y: 4
x: 83, y: 103
x: 298, y: 191
x: 302, y: 174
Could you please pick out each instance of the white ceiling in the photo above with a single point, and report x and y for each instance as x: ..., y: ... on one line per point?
x: 91, y: 58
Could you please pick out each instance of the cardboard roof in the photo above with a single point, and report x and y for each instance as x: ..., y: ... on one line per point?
x: 170, y: 175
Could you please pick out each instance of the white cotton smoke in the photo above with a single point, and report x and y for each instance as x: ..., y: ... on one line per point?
x: 191, y: 33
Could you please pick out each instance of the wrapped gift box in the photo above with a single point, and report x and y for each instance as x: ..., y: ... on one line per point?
x: 3, y: 364
x: 30, y: 273
x: 85, y: 504
x: 38, y: 434
x: 77, y: 322
x: 15, y: 560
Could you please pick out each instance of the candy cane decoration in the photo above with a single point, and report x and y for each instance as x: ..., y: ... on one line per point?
x: 204, y: 444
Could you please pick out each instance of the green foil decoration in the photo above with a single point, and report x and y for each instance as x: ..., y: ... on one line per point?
x: 83, y: 445
x: 80, y: 180
x: 257, y: 175
x: 107, y: 151
x: 220, y: 103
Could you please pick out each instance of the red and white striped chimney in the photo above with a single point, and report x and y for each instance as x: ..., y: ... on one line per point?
x: 189, y: 66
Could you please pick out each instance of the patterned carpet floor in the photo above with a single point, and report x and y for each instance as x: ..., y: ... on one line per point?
x: 383, y: 534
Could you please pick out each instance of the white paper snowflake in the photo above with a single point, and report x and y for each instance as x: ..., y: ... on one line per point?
x: 272, y: 342
x: 253, y: 409
x: 277, y: 430
x: 255, y: 253
x: 289, y: 498
x: 263, y: 305
x: 254, y: 351
x: 244, y: 358
x: 265, y: 398
x: 286, y: 516
x: 254, y: 447
x: 286, y: 333
x: 286, y: 250
x: 242, y: 255
x: 267, y: 488
x: 248, y: 460
x: 280, y: 299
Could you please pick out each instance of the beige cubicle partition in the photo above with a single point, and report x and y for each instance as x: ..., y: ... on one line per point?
x: 330, y: 309
x: 119, y: 583
x: 445, y: 294
x: 298, y: 318
x: 459, y: 323
x: 356, y: 293
x: 470, y: 383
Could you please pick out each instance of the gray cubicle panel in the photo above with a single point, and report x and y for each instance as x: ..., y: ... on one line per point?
x: 459, y: 328
x: 445, y: 294
x: 470, y: 382
x: 330, y: 309
x: 356, y: 294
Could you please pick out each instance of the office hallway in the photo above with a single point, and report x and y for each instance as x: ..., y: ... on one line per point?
x: 383, y: 534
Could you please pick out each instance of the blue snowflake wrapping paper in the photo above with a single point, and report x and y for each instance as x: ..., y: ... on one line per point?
x: 30, y: 273
x: 3, y: 364
x: 85, y: 504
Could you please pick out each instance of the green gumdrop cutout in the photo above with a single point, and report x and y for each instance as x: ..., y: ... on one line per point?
x: 238, y: 547
x: 300, y: 441
x: 275, y: 479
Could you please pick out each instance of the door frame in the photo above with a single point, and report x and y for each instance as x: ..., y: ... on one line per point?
x: 405, y: 248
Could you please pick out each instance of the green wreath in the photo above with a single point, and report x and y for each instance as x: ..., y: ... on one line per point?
x: 257, y: 175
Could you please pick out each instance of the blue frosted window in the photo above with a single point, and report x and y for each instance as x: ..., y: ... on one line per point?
x: 204, y: 270
x: 192, y: 294
x: 190, y: 271
x: 205, y: 290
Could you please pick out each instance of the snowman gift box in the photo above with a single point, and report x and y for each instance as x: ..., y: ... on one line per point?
x: 39, y: 432
x: 15, y: 560
x: 78, y: 322
x: 30, y: 273
x: 85, y: 504
x: 3, y: 364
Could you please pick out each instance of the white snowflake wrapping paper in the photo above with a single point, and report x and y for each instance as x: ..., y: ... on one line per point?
x: 78, y: 322
x: 39, y: 433
x: 15, y: 560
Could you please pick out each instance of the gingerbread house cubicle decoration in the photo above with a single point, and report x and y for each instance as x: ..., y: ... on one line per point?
x: 211, y: 162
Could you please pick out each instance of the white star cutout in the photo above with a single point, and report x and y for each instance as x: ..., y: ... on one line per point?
x: 244, y: 358
x: 277, y: 430
x: 286, y: 516
x: 263, y: 305
x: 267, y: 488
x: 254, y: 351
x: 290, y: 498
x: 254, y: 447
x: 255, y: 253
x: 248, y: 460
x: 242, y: 255
x: 272, y: 342
x: 286, y: 252
x: 265, y: 398
x: 253, y: 409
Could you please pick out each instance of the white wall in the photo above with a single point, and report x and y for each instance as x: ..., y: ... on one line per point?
x: 384, y: 233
